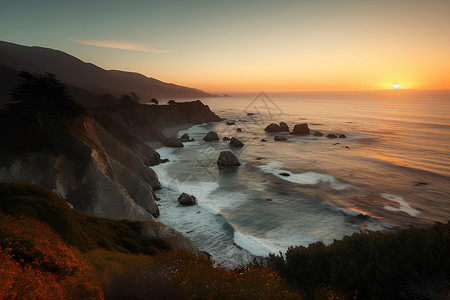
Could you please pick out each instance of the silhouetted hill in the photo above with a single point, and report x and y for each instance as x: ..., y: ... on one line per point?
x: 87, y: 76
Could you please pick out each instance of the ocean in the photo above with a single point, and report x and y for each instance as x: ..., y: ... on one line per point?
x: 392, y: 171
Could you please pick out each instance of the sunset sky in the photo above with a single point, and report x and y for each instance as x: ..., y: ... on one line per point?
x: 226, y: 46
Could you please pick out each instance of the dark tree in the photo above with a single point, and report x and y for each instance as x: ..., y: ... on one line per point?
x: 40, y: 98
x: 171, y: 102
x: 154, y: 100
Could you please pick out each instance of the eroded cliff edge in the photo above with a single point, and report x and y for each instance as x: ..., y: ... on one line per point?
x: 103, y: 167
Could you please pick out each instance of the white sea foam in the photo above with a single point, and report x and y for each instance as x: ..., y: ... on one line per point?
x: 303, y: 178
x: 256, y: 246
x: 404, y: 206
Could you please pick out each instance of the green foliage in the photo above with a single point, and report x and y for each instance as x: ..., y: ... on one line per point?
x: 410, y: 264
x: 82, y: 231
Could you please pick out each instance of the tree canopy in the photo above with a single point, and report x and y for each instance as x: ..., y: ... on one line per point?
x: 40, y: 98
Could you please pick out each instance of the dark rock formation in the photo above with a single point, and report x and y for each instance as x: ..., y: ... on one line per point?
x: 186, y: 199
x: 250, y: 114
x: 236, y: 143
x: 284, y: 127
x: 272, y: 127
x: 318, y: 133
x: 228, y: 159
x: 331, y: 136
x: 238, y: 129
x: 231, y: 123
x: 285, y: 174
x: 342, y: 136
x: 263, y: 140
x: 173, y: 142
x: 301, y: 129
x: 186, y: 138
x: 225, y: 138
x: 280, y: 138
x: 211, y: 136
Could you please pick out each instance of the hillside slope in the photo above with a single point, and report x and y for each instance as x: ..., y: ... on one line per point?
x: 88, y: 76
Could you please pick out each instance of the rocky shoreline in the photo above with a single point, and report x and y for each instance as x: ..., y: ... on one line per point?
x: 104, y: 165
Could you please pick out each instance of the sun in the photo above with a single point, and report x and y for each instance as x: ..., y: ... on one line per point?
x: 396, y: 86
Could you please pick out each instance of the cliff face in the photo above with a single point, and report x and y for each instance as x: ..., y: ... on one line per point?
x: 104, y: 170
x: 148, y: 121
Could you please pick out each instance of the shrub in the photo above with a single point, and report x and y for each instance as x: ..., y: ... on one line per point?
x: 413, y: 263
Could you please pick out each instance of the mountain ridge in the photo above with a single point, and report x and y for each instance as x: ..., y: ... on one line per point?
x: 88, y: 76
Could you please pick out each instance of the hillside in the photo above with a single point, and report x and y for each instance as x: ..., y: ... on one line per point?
x: 87, y: 76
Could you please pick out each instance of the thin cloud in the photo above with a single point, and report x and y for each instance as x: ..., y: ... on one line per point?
x: 119, y: 45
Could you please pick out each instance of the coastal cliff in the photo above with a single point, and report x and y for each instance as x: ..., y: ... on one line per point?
x: 102, y: 163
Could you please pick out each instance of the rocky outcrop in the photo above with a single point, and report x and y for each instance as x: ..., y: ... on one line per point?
x: 318, y: 133
x: 173, y: 142
x: 211, y: 136
x: 280, y: 138
x: 147, y: 122
x: 234, y: 142
x: 301, y: 129
x: 186, y: 138
x: 155, y: 230
x: 284, y: 127
x: 228, y: 159
x: 272, y: 127
x: 103, y: 171
x: 186, y: 199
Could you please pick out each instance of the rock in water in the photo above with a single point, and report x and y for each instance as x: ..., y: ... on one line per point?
x: 173, y: 142
x: 284, y: 127
x: 280, y: 138
x: 285, y: 174
x: 239, y: 129
x: 331, y: 136
x: 186, y: 199
x: 236, y: 143
x: 318, y: 133
x: 186, y: 138
x: 231, y: 123
x: 228, y: 159
x: 342, y: 136
x: 211, y: 136
x: 273, y: 128
x: 301, y: 129
x: 225, y: 138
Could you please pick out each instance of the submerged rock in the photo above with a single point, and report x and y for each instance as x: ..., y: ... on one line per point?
x: 331, y: 136
x: 263, y: 140
x: 173, y: 142
x: 231, y: 123
x: 186, y: 138
x: 285, y: 174
x: 238, y: 129
x: 342, y: 136
x: 318, y: 133
x: 250, y: 114
x: 211, y: 136
x: 236, y: 143
x: 228, y: 159
x: 186, y: 199
x: 280, y: 138
x: 301, y: 129
x: 273, y: 128
x: 225, y: 138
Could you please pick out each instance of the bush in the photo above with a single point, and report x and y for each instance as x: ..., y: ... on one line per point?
x: 409, y: 264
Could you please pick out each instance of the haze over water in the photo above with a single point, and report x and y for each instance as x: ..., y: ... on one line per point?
x: 392, y: 171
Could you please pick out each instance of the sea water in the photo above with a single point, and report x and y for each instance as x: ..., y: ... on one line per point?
x: 392, y: 171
